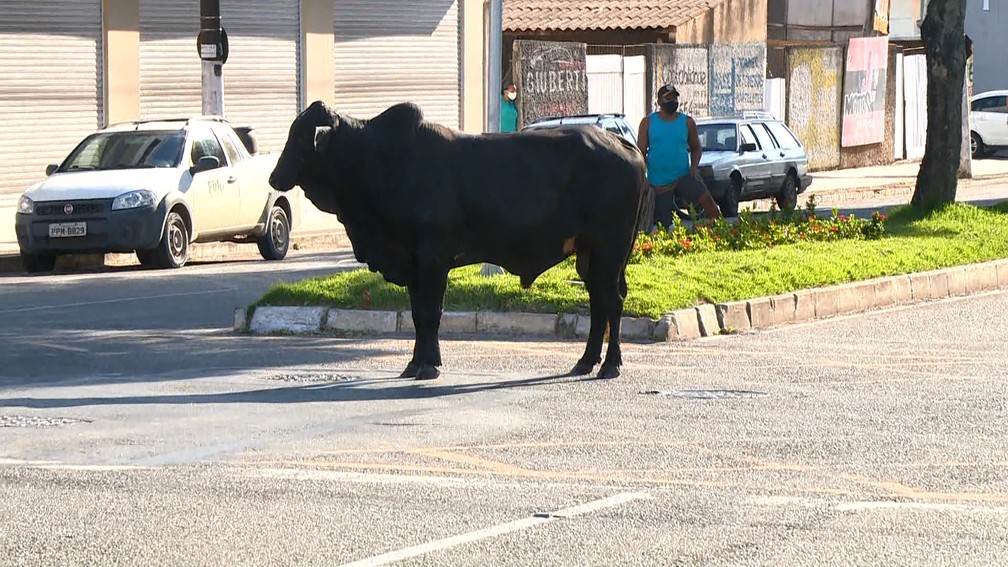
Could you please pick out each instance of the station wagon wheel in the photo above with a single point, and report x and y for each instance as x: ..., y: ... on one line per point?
x: 35, y: 263
x: 273, y: 244
x: 787, y: 198
x: 173, y: 250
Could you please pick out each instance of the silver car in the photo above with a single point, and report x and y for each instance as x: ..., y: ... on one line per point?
x: 615, y: 123
x: 751, y: 156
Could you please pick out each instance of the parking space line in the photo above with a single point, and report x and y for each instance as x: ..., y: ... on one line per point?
x: 500, y: 529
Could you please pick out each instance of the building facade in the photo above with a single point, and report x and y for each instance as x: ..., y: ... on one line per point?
x: 986, y: 21
x: 68, y: 67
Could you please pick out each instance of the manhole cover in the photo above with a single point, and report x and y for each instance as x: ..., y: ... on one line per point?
x: 312, y: 377
x: 35, y: 421
x: 705, y: 394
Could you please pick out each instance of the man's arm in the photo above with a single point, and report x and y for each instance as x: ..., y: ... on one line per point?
x: 695, y: 149
x: 642, y: 135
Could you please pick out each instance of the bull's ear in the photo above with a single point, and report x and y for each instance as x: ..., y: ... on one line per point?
x: 322, y: 134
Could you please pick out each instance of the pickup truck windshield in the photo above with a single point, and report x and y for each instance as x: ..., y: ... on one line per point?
x: 127, y: 150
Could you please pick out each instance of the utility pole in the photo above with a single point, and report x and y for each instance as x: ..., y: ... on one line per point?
x: 494, y: 18
x: 213, y: 51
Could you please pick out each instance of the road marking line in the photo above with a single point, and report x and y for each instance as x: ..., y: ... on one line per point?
x: 500, y: 529
x: 937, y: 507
x: 105, y: 301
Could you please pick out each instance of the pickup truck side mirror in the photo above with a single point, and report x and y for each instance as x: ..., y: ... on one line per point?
x: 51, y: 168
x: 205, y: 163
x: 749, y: 147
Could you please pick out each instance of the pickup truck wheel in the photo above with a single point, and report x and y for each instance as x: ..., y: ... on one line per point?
x: 173, y: 250
x: 146, y: 257
x: 787, y: 198
x: 274, y: 243
x: 35, y: 263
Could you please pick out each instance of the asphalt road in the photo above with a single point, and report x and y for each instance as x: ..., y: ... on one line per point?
x: 135, y: 429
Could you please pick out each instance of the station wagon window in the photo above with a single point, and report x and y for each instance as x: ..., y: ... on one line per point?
x: 990, y: 104
x: 783, y: 136
x: 611, y: 126
x: 746, y: 136
x: 206, y: 144
x: 717, y: 137
x: 765, y: 141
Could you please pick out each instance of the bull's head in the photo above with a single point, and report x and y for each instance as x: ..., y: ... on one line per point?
x: 307, y: 141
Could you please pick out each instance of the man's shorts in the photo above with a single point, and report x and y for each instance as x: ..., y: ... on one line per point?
x: 660, y: 201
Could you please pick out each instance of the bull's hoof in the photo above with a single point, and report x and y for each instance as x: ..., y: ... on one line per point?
x: 420, y: 371
x: 608, y: 372
x: 411, y: 370
x: 428, y: 372
x: 582, y: 368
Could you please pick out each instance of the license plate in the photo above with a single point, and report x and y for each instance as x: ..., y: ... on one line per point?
x: 67, y: 229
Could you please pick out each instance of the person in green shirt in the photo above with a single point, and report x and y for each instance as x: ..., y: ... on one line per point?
x: 509, y: 110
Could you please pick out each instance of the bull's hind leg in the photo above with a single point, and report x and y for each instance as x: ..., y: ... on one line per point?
x: 427, y: 304
x: 605, y: 280
x: 593, y: 348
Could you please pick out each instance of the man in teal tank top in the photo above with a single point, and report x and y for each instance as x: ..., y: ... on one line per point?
x: 668, y: 139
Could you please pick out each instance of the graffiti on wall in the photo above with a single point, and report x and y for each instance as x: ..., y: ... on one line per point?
x: 865, y: 91
x: 737, y: 78
x: 551, y: 79
x: 686, y: 67
x: 814, y: 81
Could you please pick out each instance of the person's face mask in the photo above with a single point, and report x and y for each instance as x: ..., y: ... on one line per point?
x: 511, y: 95
x: 670, y: 106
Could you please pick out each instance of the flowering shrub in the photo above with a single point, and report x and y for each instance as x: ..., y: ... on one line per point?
x: 756, y: 231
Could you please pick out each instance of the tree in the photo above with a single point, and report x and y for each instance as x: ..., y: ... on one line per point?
x: 944, y: 35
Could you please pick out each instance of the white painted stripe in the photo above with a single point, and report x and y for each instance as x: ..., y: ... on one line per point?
x: 121, y: 299
x: 930, y: 506
x: 500, y: 529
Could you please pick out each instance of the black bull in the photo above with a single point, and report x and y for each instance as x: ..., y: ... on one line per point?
x: 418, y: 199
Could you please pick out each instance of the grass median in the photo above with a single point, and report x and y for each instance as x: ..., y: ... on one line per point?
x: 687, y: 267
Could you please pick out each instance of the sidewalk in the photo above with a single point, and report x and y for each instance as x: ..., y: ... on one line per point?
x: 315, y: 230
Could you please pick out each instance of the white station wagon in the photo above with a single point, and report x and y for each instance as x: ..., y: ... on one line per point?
x: 155, y: 187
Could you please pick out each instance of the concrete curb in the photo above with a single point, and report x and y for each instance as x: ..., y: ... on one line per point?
x: 684, y: 324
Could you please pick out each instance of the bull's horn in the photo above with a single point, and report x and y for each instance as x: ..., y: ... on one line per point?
x: 322, y: 137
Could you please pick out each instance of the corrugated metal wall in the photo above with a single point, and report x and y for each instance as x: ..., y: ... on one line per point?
x: 51, y: 92
x: 261, y: 75
x: 387, y: 51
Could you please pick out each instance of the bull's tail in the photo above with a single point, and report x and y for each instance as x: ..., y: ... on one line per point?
x: 646, y: 208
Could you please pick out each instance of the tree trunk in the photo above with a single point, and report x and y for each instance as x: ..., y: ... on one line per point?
x: 944, y: 36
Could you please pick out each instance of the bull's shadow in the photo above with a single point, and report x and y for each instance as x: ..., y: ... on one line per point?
x: 346, y: 390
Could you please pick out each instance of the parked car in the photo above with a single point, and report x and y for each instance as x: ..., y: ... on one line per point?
x: 751, y: 156
x: 988, y: 123
x: 155, y: 187
x: 615, y: 123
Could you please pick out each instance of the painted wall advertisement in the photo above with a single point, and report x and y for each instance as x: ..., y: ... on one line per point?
x: 685, y: 67
x: 551, y: 79
x: 864, y: 91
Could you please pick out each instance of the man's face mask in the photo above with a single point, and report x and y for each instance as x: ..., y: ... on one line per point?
x: 670, y: 106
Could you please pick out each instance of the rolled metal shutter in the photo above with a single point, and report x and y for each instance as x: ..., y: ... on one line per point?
x: 51, y: 85
x: 387, y: 51
x: 170, y: 68
x: 261, y: 75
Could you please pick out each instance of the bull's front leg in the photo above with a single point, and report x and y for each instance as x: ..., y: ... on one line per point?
x: 427, y: 303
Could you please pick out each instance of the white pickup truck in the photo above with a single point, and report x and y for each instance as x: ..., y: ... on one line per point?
x: 155, y: 187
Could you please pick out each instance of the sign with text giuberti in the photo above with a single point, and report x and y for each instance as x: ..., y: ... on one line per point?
x: 865, y: 91
x: 551, y: 78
